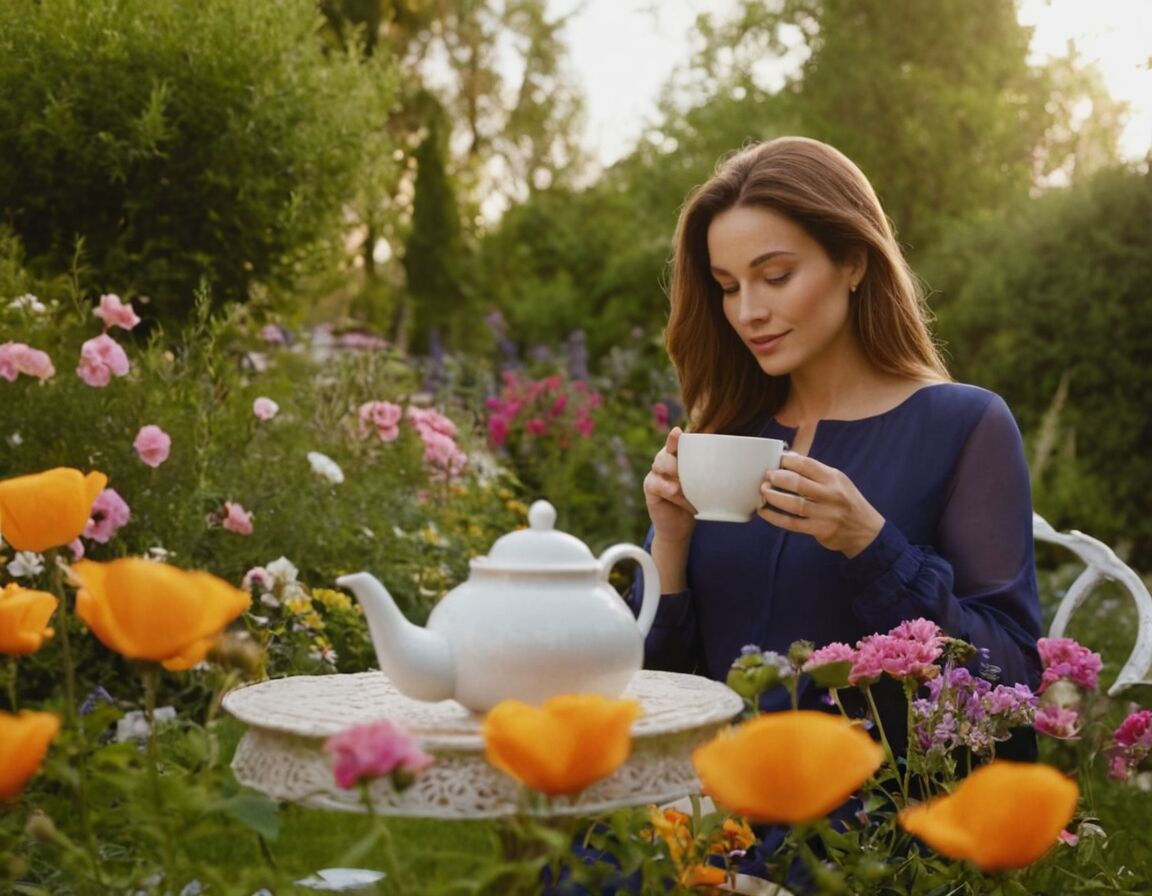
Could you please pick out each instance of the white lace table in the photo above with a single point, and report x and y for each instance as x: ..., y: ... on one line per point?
x: 281, y: 753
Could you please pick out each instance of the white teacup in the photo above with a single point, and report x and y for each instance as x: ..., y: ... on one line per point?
x: 721, y: 474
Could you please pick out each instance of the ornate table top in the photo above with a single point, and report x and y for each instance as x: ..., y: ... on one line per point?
x: 288, y: 720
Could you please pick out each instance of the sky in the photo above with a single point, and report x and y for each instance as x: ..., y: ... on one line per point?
x: 622, y: 51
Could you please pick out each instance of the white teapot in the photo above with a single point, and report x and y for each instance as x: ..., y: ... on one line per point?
x: 536, y: 618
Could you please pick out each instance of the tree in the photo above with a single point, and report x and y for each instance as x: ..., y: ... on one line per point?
x: 1048, y: 304
x: 938, y: 103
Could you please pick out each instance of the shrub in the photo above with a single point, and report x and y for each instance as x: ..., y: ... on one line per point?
x: 181, y: 141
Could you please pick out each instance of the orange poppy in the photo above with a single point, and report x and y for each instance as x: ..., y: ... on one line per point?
x: 147, y: 610
x: 24, y: 739
x: 787, y: 767
x: 566, y: 744
x: 49, y: 509
x: 1004, y: 815
x: 24, y: 616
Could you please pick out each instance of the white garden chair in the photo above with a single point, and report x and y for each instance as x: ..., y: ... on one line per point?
x: 1102, y: 565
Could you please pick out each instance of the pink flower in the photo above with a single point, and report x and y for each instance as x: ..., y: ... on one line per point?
x: 236, y: 519
x: 115, y: 313
x: 265, y: 408
x: 76, y: 546
x: 258, y: 576
x: 536, y: 426
x: 109, y: 513
x: 901, y: 654
x: 1065, y: 658
x: 383, y: 416
x: 660, y: 414
x: 836, y: 652
x: 1058, y: 722
x: 426, y: 419
x: 442, y: 454
x: 100, y: 359
x: 152, y: 445
x: 17, y: 358
x: 374, y: 750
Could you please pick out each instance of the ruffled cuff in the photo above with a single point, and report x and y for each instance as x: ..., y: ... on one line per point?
x: 883, y: 570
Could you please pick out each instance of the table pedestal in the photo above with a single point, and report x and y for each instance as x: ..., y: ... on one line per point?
x: 289, y: 719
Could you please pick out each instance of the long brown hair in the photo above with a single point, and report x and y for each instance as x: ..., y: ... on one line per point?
x: 822, y: 191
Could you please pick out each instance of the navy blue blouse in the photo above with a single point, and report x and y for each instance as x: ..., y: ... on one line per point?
x: 946, y: 470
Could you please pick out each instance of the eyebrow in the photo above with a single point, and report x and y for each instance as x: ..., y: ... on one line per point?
x: 758, y: 260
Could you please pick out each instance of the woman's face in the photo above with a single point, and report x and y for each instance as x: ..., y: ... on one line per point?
x: 783, y: 295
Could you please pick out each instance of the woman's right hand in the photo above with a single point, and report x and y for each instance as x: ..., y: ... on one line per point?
x: 673, y: 518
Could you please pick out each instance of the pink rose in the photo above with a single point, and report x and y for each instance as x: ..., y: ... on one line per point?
x: 17, y: 358
x: 265, y: 408
x: 100, y: 359
x: 109, y: 513
x: 236, y: 519
x: 115, y: 313
x: 383, y: 416
x: 374, y: 750
x: 153, y: 445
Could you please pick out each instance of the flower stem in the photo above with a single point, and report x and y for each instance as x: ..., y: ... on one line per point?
x: 151, y: 675
x: 13, y: 700
x: 887, y: 744
x: 71, y: 715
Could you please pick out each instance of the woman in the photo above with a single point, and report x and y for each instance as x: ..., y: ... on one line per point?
x: 794, y: 316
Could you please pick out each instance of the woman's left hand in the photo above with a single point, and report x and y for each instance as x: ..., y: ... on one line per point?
x: 807, y: 496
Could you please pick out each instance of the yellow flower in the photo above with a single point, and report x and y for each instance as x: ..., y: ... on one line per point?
x: 332, y: 599
x: 787, y: 767
x: 24, y: 616
x: 151, y: 611
x: 734, y: 835
x: 24, y: 739
x: 675, y: 829
x: 702, y: 876
x: 565, y: 745
x: 49, y: 509
x: 1004, y: 815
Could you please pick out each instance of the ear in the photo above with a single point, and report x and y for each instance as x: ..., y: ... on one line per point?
x: 857, y: 267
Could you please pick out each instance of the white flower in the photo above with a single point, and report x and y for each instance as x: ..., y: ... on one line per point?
x: 282, y: 571
x: 134, y: 724
x: 323, y: 465
x: 26, y: 563
x: 28, y: 302
x: 15, y: 440
x: 156, y: 552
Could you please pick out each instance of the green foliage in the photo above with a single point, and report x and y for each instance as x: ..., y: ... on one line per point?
x: 1049, y: 306
x: 181, y: 141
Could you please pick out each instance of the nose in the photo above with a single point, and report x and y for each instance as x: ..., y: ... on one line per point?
x: 751, y: 306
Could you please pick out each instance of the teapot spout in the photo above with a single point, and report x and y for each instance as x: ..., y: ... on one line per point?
x: 418, y: 661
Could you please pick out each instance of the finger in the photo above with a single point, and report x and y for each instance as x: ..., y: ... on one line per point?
x: 792, y: 482
x: 788, y: 502
x: 672, y: 443
x: 805, y: 466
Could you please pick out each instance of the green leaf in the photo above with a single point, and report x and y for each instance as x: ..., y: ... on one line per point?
x: 253, y: 810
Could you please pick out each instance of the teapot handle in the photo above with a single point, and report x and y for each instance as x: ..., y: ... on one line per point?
x: 618, y: 552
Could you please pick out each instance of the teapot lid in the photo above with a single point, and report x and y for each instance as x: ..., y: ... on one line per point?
x: 540, y: 546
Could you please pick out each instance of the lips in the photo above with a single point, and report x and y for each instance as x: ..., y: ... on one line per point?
x: 763, y: 345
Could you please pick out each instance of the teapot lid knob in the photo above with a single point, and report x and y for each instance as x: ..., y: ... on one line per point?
x: 541, y: 515
x: 539, y: 547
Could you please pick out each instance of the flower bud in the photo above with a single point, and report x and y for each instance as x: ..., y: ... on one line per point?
x: 40, y: 827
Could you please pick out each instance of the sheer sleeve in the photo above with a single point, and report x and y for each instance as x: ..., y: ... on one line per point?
x: 673, y: 643
x: 979, y: 583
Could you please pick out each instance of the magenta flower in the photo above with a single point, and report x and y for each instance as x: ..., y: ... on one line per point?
x: 109, y: 513
x: 1065, y: 658
x: 265, y: 408
x: 1131, y: 744
x: 374, y: 750
x: 101, y: 358
x: 17, y: 358
x: 152, y: 445
x: 115, y: 313
x: 236, y: 519
x: 383, y: 417
x: 660, y: 414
